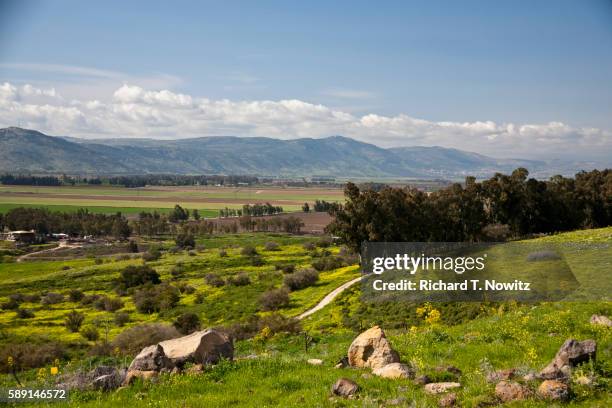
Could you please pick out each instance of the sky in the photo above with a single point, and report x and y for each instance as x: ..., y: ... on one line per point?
x: 526, y: 79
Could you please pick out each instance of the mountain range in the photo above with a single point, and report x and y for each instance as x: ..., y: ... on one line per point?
x: 29, y: 151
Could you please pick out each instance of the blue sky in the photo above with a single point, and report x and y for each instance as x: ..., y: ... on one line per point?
x: 481, y: 63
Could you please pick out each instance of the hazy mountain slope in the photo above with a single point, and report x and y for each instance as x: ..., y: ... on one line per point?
x: 32, y: 151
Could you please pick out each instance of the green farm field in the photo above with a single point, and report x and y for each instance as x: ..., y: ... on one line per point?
x: 208, y: 200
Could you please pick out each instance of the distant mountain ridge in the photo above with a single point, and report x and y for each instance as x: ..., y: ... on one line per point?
x: 23, y: 150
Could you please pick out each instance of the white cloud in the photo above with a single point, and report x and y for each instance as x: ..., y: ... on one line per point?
x: 135, y: 111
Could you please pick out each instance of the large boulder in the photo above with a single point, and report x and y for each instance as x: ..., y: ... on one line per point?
x: 201, y: 347
x: 371, y: 349
x: 571, y: 353
x: 601, y: 320
x: 152, y: 358
x: 345, y: 387
x: 511, y: 390
x: 394, y: 370
x: 553, y: 390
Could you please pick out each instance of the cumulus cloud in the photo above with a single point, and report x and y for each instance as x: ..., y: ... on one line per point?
x: 133, y: 111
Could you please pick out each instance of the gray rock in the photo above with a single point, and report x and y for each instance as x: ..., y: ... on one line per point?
x: 109, y: 382
x: 422, y: 380
x: 500, y: 375
x: 152, y: 358
x: 345, y: 387
x: 553, y: 390
x: 601, y: 320
x: 438, y: 388
x: 511, y: 391
x: 371, y: 349
x: 201, y: 347
x: 449, y: 400
x: 571, y: 353
x: 394, y: 370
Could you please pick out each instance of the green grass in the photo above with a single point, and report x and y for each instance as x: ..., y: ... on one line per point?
x: 5, y: 207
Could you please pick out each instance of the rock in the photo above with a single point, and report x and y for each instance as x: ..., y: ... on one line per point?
x: 394, y: 370
x: 511, y: 391
x: 438, y: 388
x: 571, y: 353
x: 345, y: 387
x: 201, y: 347
x: 396, y: 401
x: 132, y: 375
x: 449, y: 400
x: 101, y: 370
x: 422, y: 380
x: 315, y: 361
x: 371, y: 349
x: 601, y: 320
x: 530, y: 377
x: 500, y: 375
x: 342, y: 363
x: 553, y: 390
x: 109, y: 382
x: 151, y: 358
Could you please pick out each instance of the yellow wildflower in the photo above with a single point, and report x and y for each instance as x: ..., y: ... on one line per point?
x: 54, y: 370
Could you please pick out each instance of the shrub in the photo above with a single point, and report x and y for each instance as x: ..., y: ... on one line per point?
x: 65, y: 268
x: 257, y: 260
x: 31, y: 298
x: 301, y: 279
x: 98, y: 261
x: 222, y: 253
x: 187, y: 323
x: 199, y: 298
x: 287, y: 268
x: 122, y: 318
x: 152, y: 299
x: 132, y: 246
x: 134, y: 339
x: 186, y: 288
x: 10, y: 304
x: 309, y: 246
x: 74, y: 320
x: 185, y: 240
x: 101, y: 349
x: 108, y: 304
x: 324, y: 242
x: 24, y: 314
x: 248, y: 251
x: 214, y: 280
x: 177, y: 271
x: 153, y: 254
x: 271, y: 246
x: 241, y: 279
x: 75, y: 295
x: 52, y: 298
x: 134, y: 275
x: 274, y: 299
x: 90, y: 299
x: 29, y: 355
x: 275, y: 322
x: 90, y: 333
x: 327, y: 263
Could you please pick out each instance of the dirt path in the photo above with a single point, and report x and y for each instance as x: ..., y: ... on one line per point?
x: 61, y: 245
x: 329, y: 298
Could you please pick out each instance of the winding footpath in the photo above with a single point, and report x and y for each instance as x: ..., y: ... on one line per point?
x: 329, y: 298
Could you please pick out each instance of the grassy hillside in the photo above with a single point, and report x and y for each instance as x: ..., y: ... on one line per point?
x: 476, y: 338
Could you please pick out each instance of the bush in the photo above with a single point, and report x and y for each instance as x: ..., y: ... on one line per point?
x: 90, y: 299
x: 309, y: 246
x: 52, y: 298
x: 222, y: 253
x: 257, y: 260
x: 185, y: 240
x: 274, y: 299
x: 286, y: 268
x: 153, y: 254
x: 132, y: 246
x: 134, y: 275
x: 187, y: 323
x: 301, y: 279
x: 271, y: 246
x: 177, y: 271
x: 31, y: 298
x: 24, y: 314
x: 152, y: 299
x: 90, y: 333
x: 214, y: 280
x: 74, y: 320
x: 199, y: 298
x: 248, y: 251
x: 242, y: 279
x: 275, y: 322
x: 28, y: 355
x: 98, y: 261
x: 134, y: 339
x: 186, y: 288
x: 75, y: 295
x: 11, y: 304
x: 327, y: 263
x: 108, y: 304
x: 122, y: 318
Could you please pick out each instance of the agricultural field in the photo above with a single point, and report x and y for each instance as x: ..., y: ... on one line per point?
x: 207, y: 199
x: 271, y: 368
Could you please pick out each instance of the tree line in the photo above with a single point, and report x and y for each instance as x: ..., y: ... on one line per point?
x: 494, y: 209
